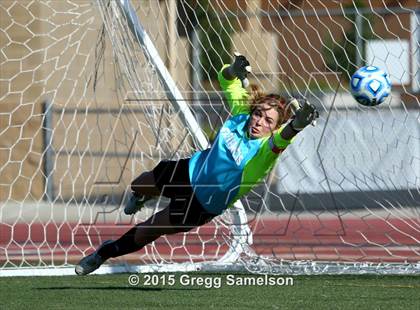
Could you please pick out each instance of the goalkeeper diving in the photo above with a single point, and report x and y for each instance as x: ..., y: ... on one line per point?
x: 202, y: 187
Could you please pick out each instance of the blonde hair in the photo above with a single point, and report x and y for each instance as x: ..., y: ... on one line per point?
x: 258, y: 98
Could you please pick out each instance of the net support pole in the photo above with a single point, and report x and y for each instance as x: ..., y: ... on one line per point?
x: 415, y: 51
x: 359, y: 40
x: 48, y: 156
x: 241, y: 233
x: 196, y: 77
x: 171, y: 36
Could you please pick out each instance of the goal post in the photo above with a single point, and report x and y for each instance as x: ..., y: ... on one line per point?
x: 87, y: 104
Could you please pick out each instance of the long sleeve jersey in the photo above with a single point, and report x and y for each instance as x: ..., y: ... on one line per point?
x: 234, y: 163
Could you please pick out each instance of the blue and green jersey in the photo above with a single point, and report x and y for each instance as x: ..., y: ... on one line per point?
x: 234, y: 163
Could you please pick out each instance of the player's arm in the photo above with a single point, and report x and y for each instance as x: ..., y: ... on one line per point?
x: 232, y: 79
x: 303, y: 116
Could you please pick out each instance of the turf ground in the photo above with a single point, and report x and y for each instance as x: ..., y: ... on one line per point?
x: 114, y: 292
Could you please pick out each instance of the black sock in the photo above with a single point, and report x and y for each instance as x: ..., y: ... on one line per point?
x: 124, y: 245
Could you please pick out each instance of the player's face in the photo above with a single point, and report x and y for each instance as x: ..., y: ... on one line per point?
x: 263, y: 121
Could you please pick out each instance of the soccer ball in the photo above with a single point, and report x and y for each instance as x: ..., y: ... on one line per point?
x: 370, y: 85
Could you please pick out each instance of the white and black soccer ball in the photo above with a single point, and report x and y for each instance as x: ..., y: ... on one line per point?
x: 370, y: 85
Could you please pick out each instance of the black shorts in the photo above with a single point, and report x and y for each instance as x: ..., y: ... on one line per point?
x: 172, y: 178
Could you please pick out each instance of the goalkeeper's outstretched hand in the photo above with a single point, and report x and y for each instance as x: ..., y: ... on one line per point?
x: 304, y: 114
x: 239, y: 69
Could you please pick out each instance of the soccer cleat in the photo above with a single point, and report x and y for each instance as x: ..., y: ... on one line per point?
x: 91, y: 262
x: 134, y: 204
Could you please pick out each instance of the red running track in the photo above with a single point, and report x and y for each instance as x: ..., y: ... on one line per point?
x: 352, y: 239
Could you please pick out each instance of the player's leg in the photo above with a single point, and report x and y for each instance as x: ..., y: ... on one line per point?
x: 143, y: 189
x: 142, y: 234
x: 133, y: 240
x: 156, y: 182
x: 183, y: 213
x: 127, y: 243
x: 145, y: 184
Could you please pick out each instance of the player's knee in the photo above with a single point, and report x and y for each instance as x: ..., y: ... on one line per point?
x: 142, y: 181
x: 135, y: 187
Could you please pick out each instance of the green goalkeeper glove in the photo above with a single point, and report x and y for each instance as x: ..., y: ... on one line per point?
x: 304, y: 115
x: 238, y: 69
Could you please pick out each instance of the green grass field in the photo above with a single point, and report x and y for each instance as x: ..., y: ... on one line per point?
x: 114, y: 292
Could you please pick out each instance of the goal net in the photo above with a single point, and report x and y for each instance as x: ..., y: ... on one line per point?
x: 93, y: 93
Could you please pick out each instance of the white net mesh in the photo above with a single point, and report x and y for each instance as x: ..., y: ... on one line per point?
x: 83, y: 111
